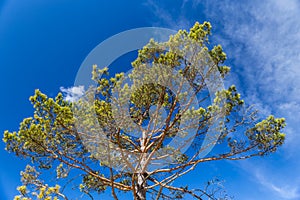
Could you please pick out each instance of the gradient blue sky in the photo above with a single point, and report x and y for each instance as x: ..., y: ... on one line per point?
x: 43, y: 43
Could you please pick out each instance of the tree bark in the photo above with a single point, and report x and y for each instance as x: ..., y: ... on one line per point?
x: 141, y: 174
x: 141, y: 187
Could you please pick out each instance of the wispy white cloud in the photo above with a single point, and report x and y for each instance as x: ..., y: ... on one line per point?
x: 166, y: 18
x: 262, y: 39
x: 277, y: 184
x: 284, y: 191
x: 72, y: 94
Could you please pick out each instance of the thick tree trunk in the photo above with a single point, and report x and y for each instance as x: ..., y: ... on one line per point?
x: 141, y: 175
x: 141, y: 187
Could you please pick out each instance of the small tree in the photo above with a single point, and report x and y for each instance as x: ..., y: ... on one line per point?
x: 138, y: 132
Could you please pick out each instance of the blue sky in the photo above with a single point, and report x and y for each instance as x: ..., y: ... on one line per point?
x: 43, y: 43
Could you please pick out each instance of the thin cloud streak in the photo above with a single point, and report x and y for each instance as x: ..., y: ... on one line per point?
x: 277, y: 184
x: 263, y: 40
x: 165, y: 17
x: 284, y: 191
